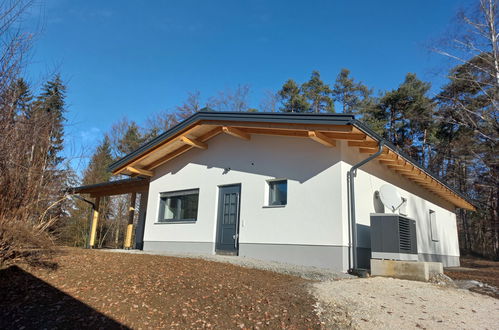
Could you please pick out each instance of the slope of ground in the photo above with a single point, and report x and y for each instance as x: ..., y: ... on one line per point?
x: 485, y: 271
x: 95, y: 289
x: 386, y: 303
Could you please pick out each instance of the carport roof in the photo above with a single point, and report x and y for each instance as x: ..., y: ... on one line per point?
x: 195, y: 131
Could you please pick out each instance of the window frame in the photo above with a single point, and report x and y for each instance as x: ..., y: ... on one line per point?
x: 269, y: 192
x: 177, y: 193
x: 432, y: 216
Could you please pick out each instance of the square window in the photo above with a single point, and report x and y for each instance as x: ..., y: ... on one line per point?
x: 179, y: 206
x: 278, y: 192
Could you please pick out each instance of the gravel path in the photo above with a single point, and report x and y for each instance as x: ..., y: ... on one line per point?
x: 306, y: 272
x: 387, y: 303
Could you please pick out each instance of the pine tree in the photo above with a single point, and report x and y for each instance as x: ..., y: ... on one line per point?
x: 318, y: 94
x: 408, y: 113
x: 354, y: 97
x: 292, y: 98
x: 97, y: 170
x: 50, y: 106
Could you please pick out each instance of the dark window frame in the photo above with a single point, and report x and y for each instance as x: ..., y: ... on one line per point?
x: 164, y: 196
x: 271, y: 202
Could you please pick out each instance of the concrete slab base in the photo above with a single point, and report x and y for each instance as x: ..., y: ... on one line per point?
x: 408, y: 270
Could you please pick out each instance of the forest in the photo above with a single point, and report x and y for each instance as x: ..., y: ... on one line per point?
x: 452, y: 132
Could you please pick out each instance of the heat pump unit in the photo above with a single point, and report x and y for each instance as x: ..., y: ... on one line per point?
x: 393, y: 236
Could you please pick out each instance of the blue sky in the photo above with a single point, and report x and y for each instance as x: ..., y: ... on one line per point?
x: 135, y: 58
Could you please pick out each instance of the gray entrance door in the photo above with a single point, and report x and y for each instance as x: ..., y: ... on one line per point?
x: 228, y: 218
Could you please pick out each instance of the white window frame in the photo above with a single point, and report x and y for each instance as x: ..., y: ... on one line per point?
x: 432, y: 216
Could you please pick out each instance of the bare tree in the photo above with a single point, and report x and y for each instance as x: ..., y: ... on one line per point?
x: 231, y: 100
x: 270, y: 102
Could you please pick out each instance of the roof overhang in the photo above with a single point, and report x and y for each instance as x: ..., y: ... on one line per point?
x: 112, y: 188
x: 197, y: 130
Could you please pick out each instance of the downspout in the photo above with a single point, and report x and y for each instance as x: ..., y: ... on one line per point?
x: 351, y: 181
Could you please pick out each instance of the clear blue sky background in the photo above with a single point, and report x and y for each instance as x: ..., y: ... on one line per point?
x: 135, y: 58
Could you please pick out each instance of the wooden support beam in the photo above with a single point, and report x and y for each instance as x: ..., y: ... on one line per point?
x: 321, y: 138
x: 139, y: 171
x: 236, y: 132
x: 129, y: 228
x: 345, y: 136
x: 181, y: 150
x: 363, y: 144
x: 95, y: 221
x: 194, y: 143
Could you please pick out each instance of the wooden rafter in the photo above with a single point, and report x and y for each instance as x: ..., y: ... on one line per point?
x: 363, y: 144
x: 194, y: 143
x: 321, y: 138
x: 236, y: 132
x: 214, y: 132
x: 139, y: 171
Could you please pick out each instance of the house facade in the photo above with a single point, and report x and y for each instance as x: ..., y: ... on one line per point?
x: 274, y: 187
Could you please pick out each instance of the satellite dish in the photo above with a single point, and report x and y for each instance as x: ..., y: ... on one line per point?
x: 390, y: 197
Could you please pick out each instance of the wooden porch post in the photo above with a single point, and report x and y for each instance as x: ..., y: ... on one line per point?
x: 129, y: 228
x: 95, y: 220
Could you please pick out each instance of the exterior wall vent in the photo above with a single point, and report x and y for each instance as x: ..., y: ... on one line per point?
x: 393, y: 236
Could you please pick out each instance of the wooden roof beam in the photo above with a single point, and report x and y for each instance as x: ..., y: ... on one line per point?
x: 194, y: 143
x: 321, y: 138
x: 139, y: 171
x: 363, y: 144
x: 236, y: 132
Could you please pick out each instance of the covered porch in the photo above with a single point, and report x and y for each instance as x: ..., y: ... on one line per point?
x: 132, y: 187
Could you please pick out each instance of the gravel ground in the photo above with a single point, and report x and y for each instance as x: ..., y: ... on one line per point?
x: 386, y: 303
x: 309, y: 273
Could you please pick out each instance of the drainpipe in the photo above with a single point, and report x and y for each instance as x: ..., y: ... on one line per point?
x: 351, y: 181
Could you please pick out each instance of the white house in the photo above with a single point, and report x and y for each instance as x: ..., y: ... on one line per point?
x: 274, y: 187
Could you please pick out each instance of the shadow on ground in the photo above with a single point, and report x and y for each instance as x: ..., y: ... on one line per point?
x: 30, y: 303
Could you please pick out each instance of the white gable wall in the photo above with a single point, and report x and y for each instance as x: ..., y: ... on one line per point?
x: 373, y: 175
x: 308, y: 230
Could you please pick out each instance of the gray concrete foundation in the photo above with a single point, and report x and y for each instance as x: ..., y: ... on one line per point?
x: 323, y: 256
x: 408, y: 270
x: 180, y: 247
x: 447, y: 261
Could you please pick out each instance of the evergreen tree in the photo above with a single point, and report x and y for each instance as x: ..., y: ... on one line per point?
x: 97, y: 170
x: 318, y: 94
x: 408, y: 113
x: 23, y: 99
x: 131, y: 140
x: 50, y: 109
x: 292, y: 98
x: 354, y: 97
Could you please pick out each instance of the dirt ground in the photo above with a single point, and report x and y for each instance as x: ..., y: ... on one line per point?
x: 485, y: 271
x: 96, y: 289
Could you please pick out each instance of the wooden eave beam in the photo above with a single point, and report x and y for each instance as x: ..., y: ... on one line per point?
x: 236, y: 132
x: 214, y: 132
x: 139, y: 171
x: 363, y: 144
x: 321, y: 138
x: 193, y: 142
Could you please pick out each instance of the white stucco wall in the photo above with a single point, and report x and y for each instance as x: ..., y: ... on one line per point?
x: 312, y: 216
x: 371, y: 176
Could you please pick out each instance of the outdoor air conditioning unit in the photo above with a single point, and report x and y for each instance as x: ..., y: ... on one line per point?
x: 393, y: 236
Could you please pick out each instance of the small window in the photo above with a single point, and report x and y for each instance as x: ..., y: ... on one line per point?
x: 278, y: 192
x: 433, y: 226
x: 179, y: 206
